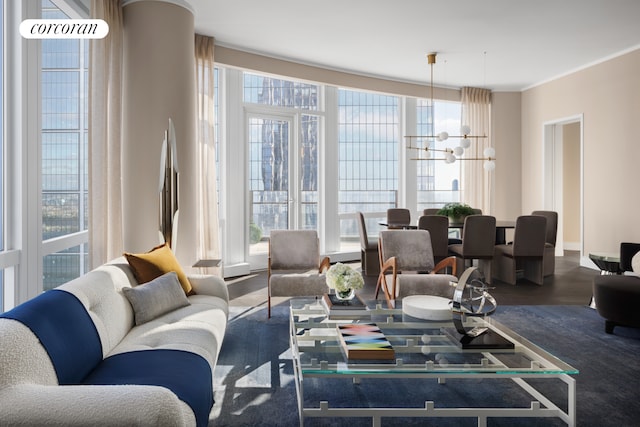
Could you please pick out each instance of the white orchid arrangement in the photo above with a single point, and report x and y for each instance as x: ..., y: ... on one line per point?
x: 342, y: 278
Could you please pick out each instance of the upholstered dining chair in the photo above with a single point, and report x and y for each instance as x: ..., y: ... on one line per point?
x: 294, y: 265
x: 478, y: 242
x: 438, y: 228
x: 398, y: 217
x: 407, y: 266
x: 550, y: 241
x: 526, y: 252
x: 368, y: 249
x: 430, y: 211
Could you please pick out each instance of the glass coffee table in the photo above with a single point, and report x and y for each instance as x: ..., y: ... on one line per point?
x: 427, y: 350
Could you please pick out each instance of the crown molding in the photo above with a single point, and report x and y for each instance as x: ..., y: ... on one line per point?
x: 182, y: 3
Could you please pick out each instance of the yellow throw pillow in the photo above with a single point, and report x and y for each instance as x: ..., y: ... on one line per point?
x: 155, y: 263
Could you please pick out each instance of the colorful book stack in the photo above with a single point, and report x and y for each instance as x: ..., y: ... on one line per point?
x: 364, y: 341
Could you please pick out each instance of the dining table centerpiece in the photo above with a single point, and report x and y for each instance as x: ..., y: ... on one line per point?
x: 456, y: 212
x: 344, y: 280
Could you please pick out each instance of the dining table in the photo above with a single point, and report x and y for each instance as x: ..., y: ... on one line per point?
x: 501, y: 228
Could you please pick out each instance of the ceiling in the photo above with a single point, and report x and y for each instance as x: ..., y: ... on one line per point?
x: 503, y: 45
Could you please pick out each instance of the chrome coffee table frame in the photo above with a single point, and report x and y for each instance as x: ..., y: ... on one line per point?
x: 316, y: 353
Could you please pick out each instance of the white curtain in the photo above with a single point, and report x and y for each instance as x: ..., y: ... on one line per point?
x: 477, y: 183
x: 208, y: 197
x: 105, y: 120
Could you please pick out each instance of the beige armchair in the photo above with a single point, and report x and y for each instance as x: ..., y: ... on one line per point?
x: 295, y: 267
x: 407, y: 266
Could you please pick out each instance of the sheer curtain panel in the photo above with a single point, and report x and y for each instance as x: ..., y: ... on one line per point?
x: 476, y: 112
x: 105, y: 140
x: 208, y: 197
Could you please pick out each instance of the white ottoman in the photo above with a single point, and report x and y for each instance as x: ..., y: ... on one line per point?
x: 427, y: 307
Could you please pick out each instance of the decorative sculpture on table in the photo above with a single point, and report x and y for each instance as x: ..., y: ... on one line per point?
x: 168, y: 184
x: 472, y: 298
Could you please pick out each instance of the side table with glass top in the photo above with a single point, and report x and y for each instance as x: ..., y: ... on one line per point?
x: 608, y: 263
x: 423, y: 350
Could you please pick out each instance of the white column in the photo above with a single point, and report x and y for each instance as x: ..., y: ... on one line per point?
x: 158, y: 84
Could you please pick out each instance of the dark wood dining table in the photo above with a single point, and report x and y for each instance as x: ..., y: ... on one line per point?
x: 501, y: 228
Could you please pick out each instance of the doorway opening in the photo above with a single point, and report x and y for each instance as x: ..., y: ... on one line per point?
x: 563, y: 172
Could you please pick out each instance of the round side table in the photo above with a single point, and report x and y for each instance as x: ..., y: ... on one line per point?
x: 608, y: 263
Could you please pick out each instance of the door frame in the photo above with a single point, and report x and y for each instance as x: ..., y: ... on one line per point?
x: 552, y: 173
x: 260, y: 260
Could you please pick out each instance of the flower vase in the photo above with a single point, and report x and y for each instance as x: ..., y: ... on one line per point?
x: 347, y: 295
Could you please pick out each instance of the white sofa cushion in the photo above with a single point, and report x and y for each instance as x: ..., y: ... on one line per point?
x: 198, y: 328
x: 110, y: 311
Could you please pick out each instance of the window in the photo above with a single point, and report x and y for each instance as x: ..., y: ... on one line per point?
x: 276, y: 176
x: 282, y: 93
x: 64, y: 78
x: 438, y: 182
x: 2, y: 150
x: 368, y: 139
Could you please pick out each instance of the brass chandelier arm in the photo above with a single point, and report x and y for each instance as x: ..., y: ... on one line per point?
x: 423, y: 142
x: 457, y: 159
x: 450, y: 136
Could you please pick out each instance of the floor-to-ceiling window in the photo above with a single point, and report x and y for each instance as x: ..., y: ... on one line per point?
x: 438, y: 182
x: 64, y: 80
x: 282, y: 131
x: 2, y: 26
x: 368, y: 141
x: 303, y: 155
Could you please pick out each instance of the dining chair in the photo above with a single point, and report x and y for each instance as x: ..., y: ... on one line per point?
x: 430, y: 211
x: 398, y: 217
x: 478, y: 243
x: 407, y: 266
x: 525, y: 254
x: 368, y: 249
x: 294, y: 265
x: 550, y: 241
x: 438, y: 228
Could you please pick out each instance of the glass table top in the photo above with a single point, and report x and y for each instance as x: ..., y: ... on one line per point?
x: 420, y: 346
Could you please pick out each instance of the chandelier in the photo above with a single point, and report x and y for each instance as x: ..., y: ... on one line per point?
x: 426, y: 145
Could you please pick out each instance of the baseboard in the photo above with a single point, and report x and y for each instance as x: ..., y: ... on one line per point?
x: 571, y: 246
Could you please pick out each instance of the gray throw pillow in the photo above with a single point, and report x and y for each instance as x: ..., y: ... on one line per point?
x: 155, y: 298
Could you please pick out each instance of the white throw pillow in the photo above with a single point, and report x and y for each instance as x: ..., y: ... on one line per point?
x: 155, y: 298
x: 635, y: 263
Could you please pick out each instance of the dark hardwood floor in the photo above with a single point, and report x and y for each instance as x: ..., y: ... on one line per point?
x: 571, y: 285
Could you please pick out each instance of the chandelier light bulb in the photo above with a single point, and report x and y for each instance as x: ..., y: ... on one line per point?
x: 489, y: 152
x: 443, y: 136
x: 465, y: 143
x: 489, y: 165
x: 449, y: 158
x: 465, y: 130
x: 458, y: 151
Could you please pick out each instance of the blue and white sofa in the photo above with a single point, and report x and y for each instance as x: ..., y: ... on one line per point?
x: 84, y: 361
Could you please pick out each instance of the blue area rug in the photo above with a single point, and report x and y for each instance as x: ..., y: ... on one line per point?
x: 254, y: 378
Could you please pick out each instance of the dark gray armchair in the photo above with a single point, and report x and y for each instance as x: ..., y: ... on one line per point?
x: 617, y: 296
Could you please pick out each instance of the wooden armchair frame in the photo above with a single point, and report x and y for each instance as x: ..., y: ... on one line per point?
x: 392, y: 264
